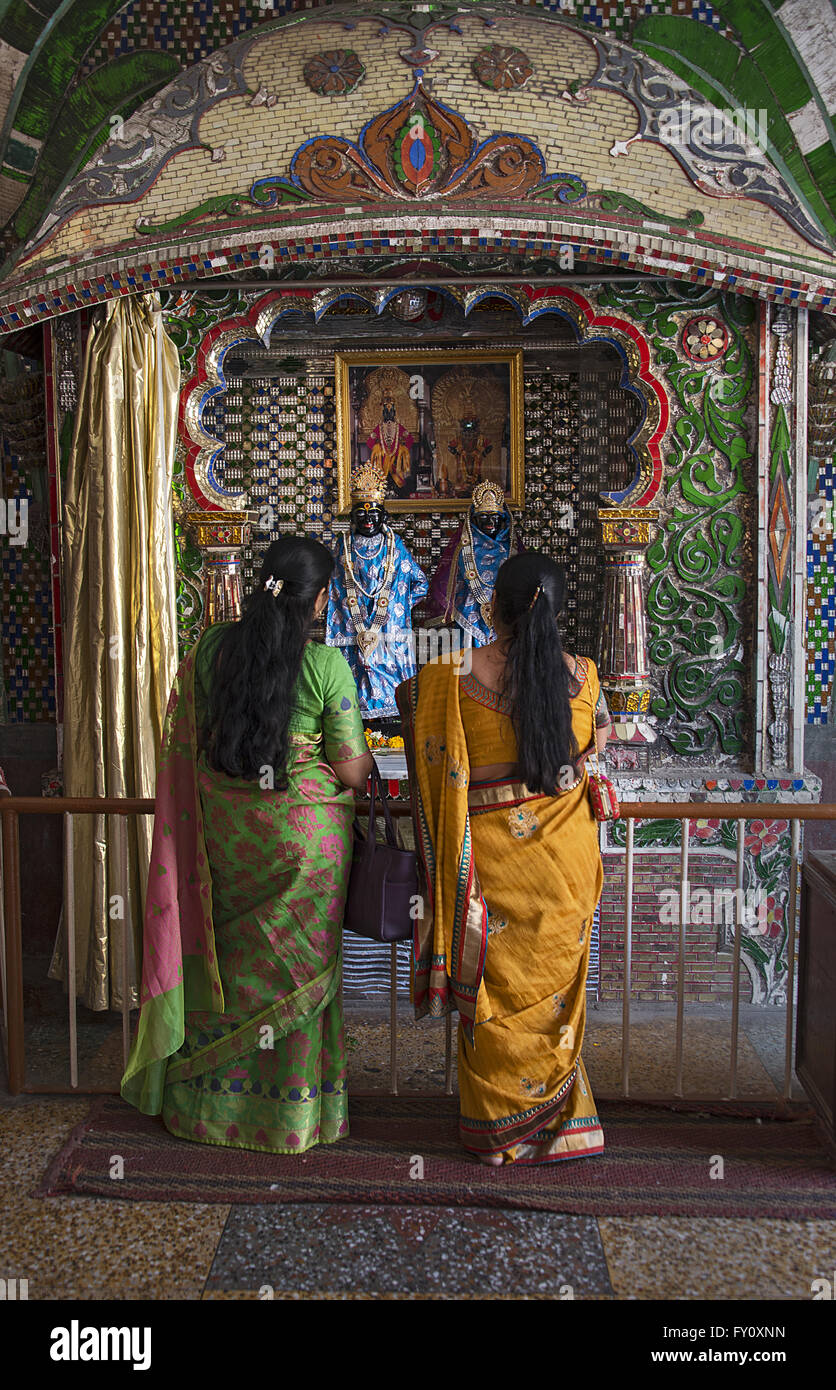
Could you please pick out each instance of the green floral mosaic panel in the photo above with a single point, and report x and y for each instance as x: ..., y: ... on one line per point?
x: 698, y: 604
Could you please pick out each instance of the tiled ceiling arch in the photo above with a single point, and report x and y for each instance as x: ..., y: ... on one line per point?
x: 68, y: 67
x: 236, y: 158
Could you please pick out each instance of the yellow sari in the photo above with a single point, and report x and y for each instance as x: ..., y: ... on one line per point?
x: 512, y: 880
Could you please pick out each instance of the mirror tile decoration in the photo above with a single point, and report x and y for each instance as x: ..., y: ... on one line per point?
x: 821, y: 599
x: 281, y: 442
x: 27, y: 674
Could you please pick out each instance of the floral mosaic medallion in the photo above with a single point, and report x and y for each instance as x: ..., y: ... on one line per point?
x: 704, y: 339
x: 335, y: 72
x: 501, y: 67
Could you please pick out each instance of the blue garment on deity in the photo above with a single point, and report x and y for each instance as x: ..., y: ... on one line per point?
x: 393, y: 659
x: 489, y: 552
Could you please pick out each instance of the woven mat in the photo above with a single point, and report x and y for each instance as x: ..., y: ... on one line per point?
x: 656, y: 1162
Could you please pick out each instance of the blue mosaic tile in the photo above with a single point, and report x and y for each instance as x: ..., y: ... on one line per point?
x: 821, y: 605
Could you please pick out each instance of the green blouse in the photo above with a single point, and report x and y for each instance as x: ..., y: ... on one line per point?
x: 325, y: 701
x: 325, y: 697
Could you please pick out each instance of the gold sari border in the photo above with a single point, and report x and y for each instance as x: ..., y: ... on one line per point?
x: 492, y: 1136
x: 578, y: 1138
x: 496, y: 796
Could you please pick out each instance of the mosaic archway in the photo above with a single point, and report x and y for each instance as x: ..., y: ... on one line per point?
x: 627, y: 516
x: 587, y: 323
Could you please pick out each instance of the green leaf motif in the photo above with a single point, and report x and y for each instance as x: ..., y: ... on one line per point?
x: 665, y: 833
x: 780, y: 444
x: 696, y: 602
x: 764, y: 78
x: 610, y: 200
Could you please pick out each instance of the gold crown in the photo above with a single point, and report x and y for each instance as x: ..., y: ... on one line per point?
x: 488, y: 497
x: 368, y: 484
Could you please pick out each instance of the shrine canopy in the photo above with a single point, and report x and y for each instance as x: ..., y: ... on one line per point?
x: 409, y: 137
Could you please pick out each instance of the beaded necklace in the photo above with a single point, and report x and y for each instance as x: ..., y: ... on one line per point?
x: 480, y: 590
x: 368, y: 637
x: 368, y: 593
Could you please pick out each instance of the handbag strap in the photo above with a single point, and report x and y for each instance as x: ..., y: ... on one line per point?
x: 374, y: 777
x: 378, y: 789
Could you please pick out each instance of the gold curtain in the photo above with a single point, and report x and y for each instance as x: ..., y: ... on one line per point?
x: 120, y: 624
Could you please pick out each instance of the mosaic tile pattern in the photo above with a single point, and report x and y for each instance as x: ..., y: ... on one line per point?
x: 181, y: 27
x: 175, y: 201
x: 279, y: 442
x: 567, y: 415
x: 625, y: 250
x: 191, y: 31
x: 821, y: 597
x: 28, y: 673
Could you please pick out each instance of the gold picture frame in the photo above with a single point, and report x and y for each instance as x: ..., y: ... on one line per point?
x: 435, y: 421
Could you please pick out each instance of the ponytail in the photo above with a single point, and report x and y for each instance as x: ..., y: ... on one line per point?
x: 259, y: 660
x: 529, y: 595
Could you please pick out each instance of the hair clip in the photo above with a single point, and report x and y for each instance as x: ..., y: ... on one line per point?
x: 535, y: 598
x: 275, y: 585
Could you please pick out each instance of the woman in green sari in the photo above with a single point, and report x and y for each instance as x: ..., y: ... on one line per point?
x: 240, y: 1038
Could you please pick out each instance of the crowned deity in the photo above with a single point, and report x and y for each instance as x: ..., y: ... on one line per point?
x: 388, y: 427
x: 375, y: 586
x: 462, y: 586
x: 470, y: 448
x: 469, y: 411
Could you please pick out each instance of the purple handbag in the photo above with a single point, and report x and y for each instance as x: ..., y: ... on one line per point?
x: 383, y: 887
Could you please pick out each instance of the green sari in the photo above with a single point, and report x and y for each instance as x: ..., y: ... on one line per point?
x: 240, y: 1039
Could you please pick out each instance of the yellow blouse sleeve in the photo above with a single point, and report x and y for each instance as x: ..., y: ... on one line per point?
x: 601, y: 712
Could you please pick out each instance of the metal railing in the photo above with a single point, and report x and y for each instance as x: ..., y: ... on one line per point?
x: 11, y: 947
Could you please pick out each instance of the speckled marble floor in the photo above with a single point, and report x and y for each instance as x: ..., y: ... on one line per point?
x: 706, y: 1050
x: 91, y: 1248
x: 761, y: 1047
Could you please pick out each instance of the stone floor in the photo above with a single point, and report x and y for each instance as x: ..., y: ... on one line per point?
x: 706, y: 1050
x: 91, y: 1248
x: 706, y: 1045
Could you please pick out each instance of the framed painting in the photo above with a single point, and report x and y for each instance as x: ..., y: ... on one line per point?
x: 435, y: 421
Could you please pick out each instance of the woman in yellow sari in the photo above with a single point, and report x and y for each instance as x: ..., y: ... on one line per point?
x: 512, y: 869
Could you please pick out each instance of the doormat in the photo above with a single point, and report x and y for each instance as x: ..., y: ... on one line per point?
x: 655, y: 1163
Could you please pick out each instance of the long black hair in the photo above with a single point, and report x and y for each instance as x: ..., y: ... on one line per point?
x: 529, y: 595
x: 258, y: 662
